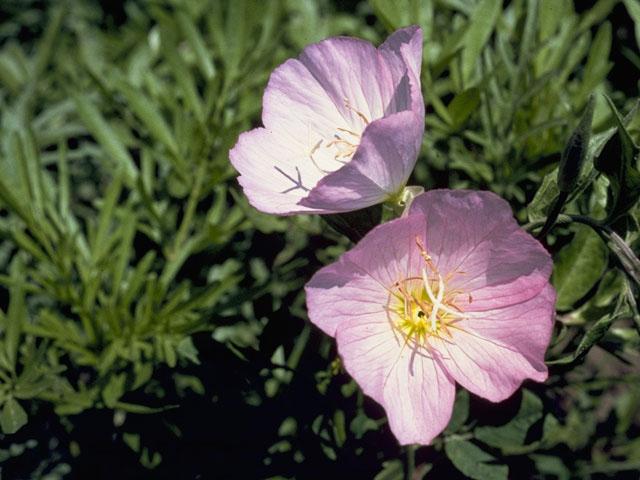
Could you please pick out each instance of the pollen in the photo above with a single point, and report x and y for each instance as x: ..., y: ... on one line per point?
x: 422, y: 307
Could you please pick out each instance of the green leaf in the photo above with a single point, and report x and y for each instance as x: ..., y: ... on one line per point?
x: 361, y: 424
x: 101, y: 240
x: 463, y: 105
x: 588, y: 340
x: 106, y: 136
x: 618, y: 162
x: 168, y: 352
x: 339, y: 431
x: 24, y: 390
x: 401, y: 13
x: 633, y: 7
x: 187, y: 349
x: 17, y: 313
x: 13, y: 417
x: 596, y: 14
x: 544, y: 198
x: 48, y: 41
x: 481, y: 25
x: 575, y: 151
x: 578, y: 267
x: 627, y: 405
x: 513, y: 434
x: 150, y: 116
x: 25, y: 152
x: 182, y: 73
x: 137, y: 278
x: 203, y: 57
x: 26, y: 243
x: 553, y: 467
x: 391, y: 470
x: 143, y: 409
x: 472, y: 461
x: 460, y: 412
x: 15, y: 201
x: 597, y: 66
x: 609, y: 288
x: 114, y: 389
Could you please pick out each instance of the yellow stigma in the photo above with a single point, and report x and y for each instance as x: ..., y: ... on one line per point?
x: 422, y: 306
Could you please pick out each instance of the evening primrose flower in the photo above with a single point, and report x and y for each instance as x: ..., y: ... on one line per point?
x: 342, y: 129
x: 452, y: 292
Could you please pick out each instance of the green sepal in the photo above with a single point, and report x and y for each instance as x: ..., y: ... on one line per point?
x: 575, y: 151
x: 355, y: 225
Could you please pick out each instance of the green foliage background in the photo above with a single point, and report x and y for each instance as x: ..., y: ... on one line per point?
x: 152, y: 323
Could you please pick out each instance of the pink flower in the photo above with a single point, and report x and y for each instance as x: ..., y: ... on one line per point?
x: 342, y: 129
x: 453, y: 292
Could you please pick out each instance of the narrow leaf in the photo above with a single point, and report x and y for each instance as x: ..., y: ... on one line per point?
x: 481, y: 25
x: 197, y: 44
x: 106, y: 137
x: 13, y: 417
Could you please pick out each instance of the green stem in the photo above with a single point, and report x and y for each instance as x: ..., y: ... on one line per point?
x: 553, y: 215
x: 411, y: 461
x: 627, y: 260
x: 190, y: 211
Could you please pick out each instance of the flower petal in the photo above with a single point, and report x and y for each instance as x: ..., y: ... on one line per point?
x: 403, y: 49
x: 491, y: 353
x: 379, y: 169
x: 352, y: 73
x: 415, y: 392
x: 358, y: 284
x: 272, y: 184
x: 296, y: 106
x: 477, y: 242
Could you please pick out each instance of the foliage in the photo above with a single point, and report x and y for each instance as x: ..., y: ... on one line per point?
x: 152, y: 322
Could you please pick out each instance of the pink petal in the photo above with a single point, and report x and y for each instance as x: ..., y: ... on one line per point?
x: 351, y: 71
x: 296, y: 106
x: 415, y: 392
x: 358, y: 284
x: 272, y: 184
x: 406, y: 45
x: 491, y: 353
x: 475, y: 234
x: 379, y: 169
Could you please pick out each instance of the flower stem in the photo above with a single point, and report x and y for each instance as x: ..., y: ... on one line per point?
x: 553, y: 215
x: 627, y: 260
x: 190, y: 210
x: 411, y: 461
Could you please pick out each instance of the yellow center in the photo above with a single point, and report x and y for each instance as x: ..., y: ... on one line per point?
x: 422, y: 307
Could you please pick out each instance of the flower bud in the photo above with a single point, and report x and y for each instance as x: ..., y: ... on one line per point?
x: 575, y: 151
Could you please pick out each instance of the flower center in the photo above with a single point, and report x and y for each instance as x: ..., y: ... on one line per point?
x: 422, y: 306
x: 345, y: 141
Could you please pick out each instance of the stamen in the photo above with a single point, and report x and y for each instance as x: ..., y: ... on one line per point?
x: 437, y: 301
x: 437, y: 310
x: 313, y: 150
x: 427, y: 258
x: 357, y: 112
x: 346, y: 149
x: 349, y: 131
